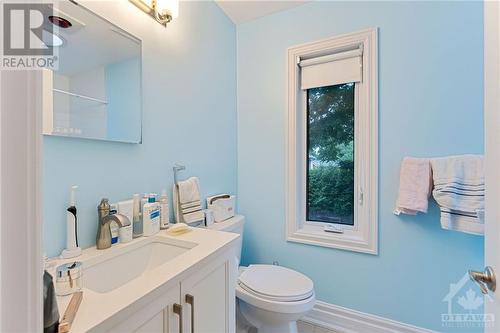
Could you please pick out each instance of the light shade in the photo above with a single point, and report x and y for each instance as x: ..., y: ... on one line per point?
x: 168, y: 6
x: 51, y: 39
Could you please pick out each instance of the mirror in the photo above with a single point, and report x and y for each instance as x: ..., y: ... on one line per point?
x: 96, y: 92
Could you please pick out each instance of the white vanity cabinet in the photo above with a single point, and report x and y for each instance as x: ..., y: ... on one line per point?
x: 156, y: 316
x: 208, y: 300
x: 155, y: 324
x: 204, y: 300
x: 159, y: 284
x: 163, y: 321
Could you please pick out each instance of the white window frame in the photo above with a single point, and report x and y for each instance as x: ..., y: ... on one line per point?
x: 363, y: 236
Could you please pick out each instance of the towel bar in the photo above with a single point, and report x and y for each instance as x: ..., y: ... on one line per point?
x: 178, y: 215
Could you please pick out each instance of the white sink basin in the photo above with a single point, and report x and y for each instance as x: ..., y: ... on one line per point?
x: 120, y: 265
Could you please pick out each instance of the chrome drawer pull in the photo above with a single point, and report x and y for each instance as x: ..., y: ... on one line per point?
x: 178, y: 310
x: 190, y: 301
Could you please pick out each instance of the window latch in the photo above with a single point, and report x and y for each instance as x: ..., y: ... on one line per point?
x: 360, y: 196
x: 333, y: 228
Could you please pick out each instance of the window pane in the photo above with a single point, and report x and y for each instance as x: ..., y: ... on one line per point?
x: 330, y: 154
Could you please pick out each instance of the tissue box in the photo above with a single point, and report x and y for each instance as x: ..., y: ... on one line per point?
x: 222, y: 205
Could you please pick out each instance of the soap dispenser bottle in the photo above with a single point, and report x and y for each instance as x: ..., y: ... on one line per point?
x: 72, y: 249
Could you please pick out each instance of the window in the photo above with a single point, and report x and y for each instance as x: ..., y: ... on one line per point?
x: 330, y: 154
x: 332, y: 143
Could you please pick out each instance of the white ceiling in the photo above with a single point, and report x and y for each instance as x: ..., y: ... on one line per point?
x: 240, y: 11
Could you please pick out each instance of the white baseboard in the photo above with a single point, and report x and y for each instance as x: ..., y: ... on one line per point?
x: 344, y: 320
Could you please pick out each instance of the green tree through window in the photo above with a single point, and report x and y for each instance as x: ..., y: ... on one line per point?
x: 330, y: 154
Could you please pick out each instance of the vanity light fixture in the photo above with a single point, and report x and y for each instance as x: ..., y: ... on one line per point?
x: 52, y: 39
x: 163, y: 11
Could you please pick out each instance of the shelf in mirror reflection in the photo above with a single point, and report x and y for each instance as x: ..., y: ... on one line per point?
x: 88, y: 98
x: 67, y: 131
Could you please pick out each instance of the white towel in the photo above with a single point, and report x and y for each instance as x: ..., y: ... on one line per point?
x: 194, y: 217
x: 415, y: 184
x: 459, y: 192
x: 189, y: 190
x: 187, y: 203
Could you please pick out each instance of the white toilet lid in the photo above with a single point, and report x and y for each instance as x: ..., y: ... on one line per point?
x: 276, y: 283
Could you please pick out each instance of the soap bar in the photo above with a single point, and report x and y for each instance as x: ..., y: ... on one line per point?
x: 178, y: 229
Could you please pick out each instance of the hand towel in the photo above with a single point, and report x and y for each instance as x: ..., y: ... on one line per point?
x: 415, y: 184
x: 459, y: 192
x: 194, y: 217
x: 189, y: 190
x: 187, y: 203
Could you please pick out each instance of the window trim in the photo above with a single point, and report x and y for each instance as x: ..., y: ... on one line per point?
x: 363, y: 237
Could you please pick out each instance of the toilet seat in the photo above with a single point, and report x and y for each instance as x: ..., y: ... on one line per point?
x: 276, y: 283
x: 275, y: 288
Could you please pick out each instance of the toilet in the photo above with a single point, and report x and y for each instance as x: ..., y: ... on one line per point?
x: 270, y: 298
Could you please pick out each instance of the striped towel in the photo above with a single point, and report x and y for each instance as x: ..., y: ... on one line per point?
x: 187, y: 203
x: 459, y: 192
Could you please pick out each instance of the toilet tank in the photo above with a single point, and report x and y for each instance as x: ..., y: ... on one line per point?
x: 234, y: 224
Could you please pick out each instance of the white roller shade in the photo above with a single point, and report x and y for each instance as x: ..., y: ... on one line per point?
x: 332, y: 69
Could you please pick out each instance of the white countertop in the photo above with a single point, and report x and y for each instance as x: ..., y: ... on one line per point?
x: 96, y: 308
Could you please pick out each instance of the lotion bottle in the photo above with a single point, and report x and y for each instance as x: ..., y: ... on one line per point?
x: 144, y: 200
x: 164, y: 211
x: 151, y: 217
x: 136, y: 217
x: 115, y: 228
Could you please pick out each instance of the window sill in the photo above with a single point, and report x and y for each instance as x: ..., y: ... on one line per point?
x: 349, y: 241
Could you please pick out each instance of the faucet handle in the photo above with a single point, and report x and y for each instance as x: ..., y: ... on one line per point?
x: 104, y: 204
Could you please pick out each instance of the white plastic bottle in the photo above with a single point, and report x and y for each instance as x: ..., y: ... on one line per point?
x: 151, y: 217
x: 125, y: 232
x: 164, y: 211
x: 136, y: 219
x: 113, y: 226
x: 144, y: 200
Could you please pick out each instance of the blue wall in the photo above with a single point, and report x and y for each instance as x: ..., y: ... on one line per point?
x: 430, y: 104
x: 123, y: 91
x: 430, y: 95
x: 189, y: 116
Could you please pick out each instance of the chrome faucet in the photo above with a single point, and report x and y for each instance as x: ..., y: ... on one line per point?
x: 103, y: 239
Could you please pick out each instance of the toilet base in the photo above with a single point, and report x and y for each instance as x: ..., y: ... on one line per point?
x: 286, y: 328
x: 254, y: 320
x: 243, y: 326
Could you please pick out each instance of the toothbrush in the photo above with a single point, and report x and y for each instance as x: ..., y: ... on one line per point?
x: 72, y: 249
